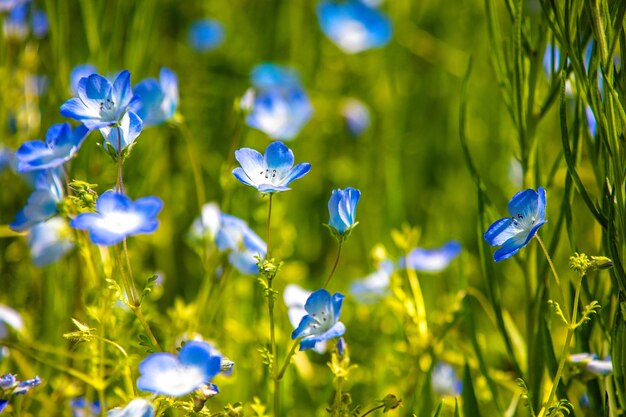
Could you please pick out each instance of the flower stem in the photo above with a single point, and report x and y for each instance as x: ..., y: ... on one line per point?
x: 373, y: 409
x: 287, y: 361
x: 269, y: 220
x: 120, y: 182
x: 556, y: 275
x: 418, y: 300
x: 195, y: 167
x: 332, y: 271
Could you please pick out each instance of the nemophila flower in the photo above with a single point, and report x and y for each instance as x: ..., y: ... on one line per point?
x: 42, y: 203
x: 8, y: 5
x: 356, y: 116
x: 9, y: 318
x: 271, y: 172
x: 600, y: 367
x: 117, y: 217
x: 342, y: 209
x: 60, y: 146
x: 83, y: 408
x: 373, y: 286
x: 295, y: 298
x: 79, y: 72
x: 166, y: 374
x: 49, y: 241
x: 321, y: 322
x: 444, y: 380
x: 39, y: 20
x: 136, y: 408
x: 205, y: 35
x: 354, y: 26
x: 129, y: 127
x: 277, y: 105
x: 100, y: 103
x: 528, y: 212
x: 158, y: 99
x: 24, y: 386
x: 432, y: 260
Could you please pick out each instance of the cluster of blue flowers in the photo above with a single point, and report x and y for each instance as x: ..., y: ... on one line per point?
x: 10, y: 386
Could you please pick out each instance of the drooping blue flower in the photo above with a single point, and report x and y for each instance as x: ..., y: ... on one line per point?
x: 271, y: 172
x: 356, y: 115
x: 79, y: 72
x: 158, y: 100
x: 375, y: 285
x: 354, y: 26
x: 321, y: 322
x: 42, y: 203
x: 60, y: 146
x: 166, y: 374
x: 82, y: 408
x: 136, y: 408
x: 49, y: 241
x: 342, y: 209
x: 444, y: 380
x: 100, y: 103
x: 9, y: 318
x: 295, y: 297
x: 432, y: 260
x: 206, y: 35
x: 528, y: 212
x: 117, y: 217
x: 130, y: 127
x: 277, y: 105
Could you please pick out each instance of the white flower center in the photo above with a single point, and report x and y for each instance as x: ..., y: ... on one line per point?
x: 120, y: 222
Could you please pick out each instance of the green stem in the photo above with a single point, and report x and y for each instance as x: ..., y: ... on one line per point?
x: 556, y: 275
x: 269, y: 220
x: 332, y: 271
x: 120, y: 182
x: 373, y: 409
x: 146, y: 326
x: 287, y: 361
x: 195, y: 166
x: 418, y: 300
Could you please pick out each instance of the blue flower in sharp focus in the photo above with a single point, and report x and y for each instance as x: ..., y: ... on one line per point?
x: 166, y: 374
x: 321, y: 322
x: 79, y: 72
x: 136, y: 408
x: 271, y: 172
x: 295, y: 297
x: 100, y: 103
x: 354, y: 26
x: 278, y: 105
x: 528, y: 212
x: 356, y: 115
x: 444, y: 380
x: 158, y: 100
x: 342, y: 209
x: 117, y: 217
x: 49, y: 241
x: 205, y: 35
x: 60, y: 146
x: 432, y: 260
x: 42, y: 203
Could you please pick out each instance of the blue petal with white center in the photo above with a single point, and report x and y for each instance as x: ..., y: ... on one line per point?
x: 158, y: 100
x: 354, y: 26
x: 321, y: 322
x: 129, y: 127
x: 375, y: 285
x: 206, y: 35
x: 60, y: 146
x: 432, y: 260
x: 49, y: 241
x: 117, y: 217
x: 136, y: 408
x: 295, y: 298
x: 528, y: 211
x: 166, y: 374
x: 243, y: 245
x: 42, y: 203
x: 445, y: 381
x: 79, y: 72
x: 342, y: 209
x: 271, y: 172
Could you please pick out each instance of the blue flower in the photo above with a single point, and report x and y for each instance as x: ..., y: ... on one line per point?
x: 100, y: 103
x: 206, y: 34
x: 279, y: 105
x: 79, y: 72
x: 49, y: 241
x: 130, y: 127
x: 136, y: 408
x: 166, y: 374
x: 444, y: 380
x: 9, y: 318
x: 39, y: 20
x: 600, y: 367
x: 8, y: 5
x: 432, y: 260
x: 528, y: 212
x: 117, y: 217
x: 42, y: 203
x: 81, y: 408
x: 591, y: 121
x: 353, y: 26
x: 375, y: 285
x: 551, y: 60
x: 7, y: 381
x: 356, y: 115
x: 321, y: 322
x: 295, y: 297
x: 342, y: 209
x: 3, y: 404
x: 158, y: 100
x: 271, y: 172
x: 60, y: 146
x: 24, y: 386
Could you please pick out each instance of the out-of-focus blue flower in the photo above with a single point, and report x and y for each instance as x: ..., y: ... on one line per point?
x: 117, y: 217
x: 206, y: 34
x: 432, y: 260
x: 6, y: 158
x: 129, y: 127
x: 136, y: 408
x: 49, y: 241
x: 321, y: 322
x: 356, y: 115
x: 582, y: 357
x: 39, y: 20
x: 79, y: 72
x: 295, y: 298
x: 166, y: 374
x: 10, y: 318
x: 271, y: 172
x: 551, y: 60
x: 600, y: 366
x: 277, y: 105
x: 42, y: 203
x: 3, y: 404
x: 342, y: 209
x: 60, y: 146
x: 15, y: 25
x: 528, y: 213
x: 373, y: 286
x: 158, y: 100
x: 591, y: 121
x: 8, y: 5
x: 354, y: 26
x: 583, y: 400
x: 444, y: 380
x: 24, y: 386
x: 100, y: 103
x: 81, y: 408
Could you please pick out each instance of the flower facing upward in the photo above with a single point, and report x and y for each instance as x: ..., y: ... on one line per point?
x: 321, y: 322
x: 271, y: 172
x: 117, y: 217
x: 528, y: 212
x: 166, y: 374
x: 342, y: 209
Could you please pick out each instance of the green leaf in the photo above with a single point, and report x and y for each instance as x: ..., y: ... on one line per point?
x: 470, y: 404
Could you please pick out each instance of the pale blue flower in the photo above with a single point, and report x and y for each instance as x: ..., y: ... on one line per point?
x: 271, y: 172
x: 206, y: 35
x: 295, y: 298
x: 432, y: 260
x: 39, y: 20
x: 600, y: 367
x: 8, y: 5
x: 528, y: 212
x: 42, y: 203
x: 354, y: 26
x: 444, y: 380
x: 166, y: 374
x: 60, y: 146
x: 136, y: 408
x: 591, y: 121
x: 24, y: 386
x: 130, y: 127
x: 79, y: 72
x: 321, y: 322
x: 373, y: 286
x: 356, y: 115
x: 49, y: 241
x: 158, y: 99
x: 9, y: 318
x: 15, y: 24
x: 342, y: 209
x: 117, y: 217
x: 82, y: 408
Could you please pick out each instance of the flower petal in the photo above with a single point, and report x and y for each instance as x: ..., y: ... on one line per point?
x: 524, y: 202
x: 297, y: 172
x: 252, y: 163
x: 280, y: 158
x: 200, y: 355
x: 111, y: 201
x: 500, y: 231
x: 319, y: 301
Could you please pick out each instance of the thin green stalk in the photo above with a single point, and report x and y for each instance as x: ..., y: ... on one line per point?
x: 195, y: 166
x: 120, y: 182
x: 269, y: 220
x: 146, y: 326
x: 287, y: 361
x: 332, y: 271
x: 378, y: 407
x: 556, y: 275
